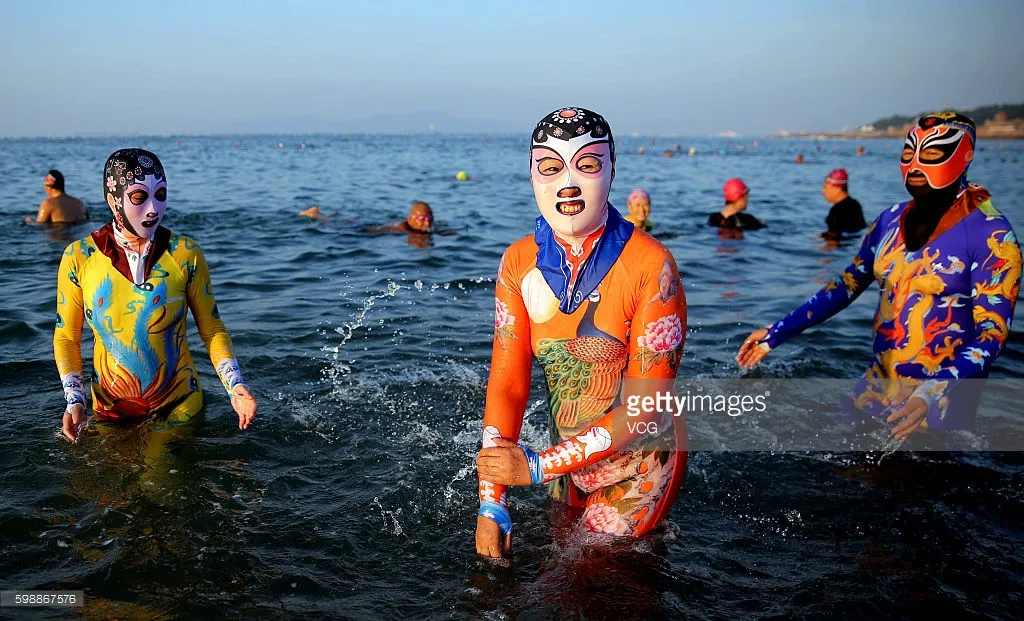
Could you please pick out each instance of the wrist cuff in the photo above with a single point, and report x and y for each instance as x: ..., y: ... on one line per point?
x: 536, y: 469
x: 498, y: 513
x: 74, y: 390
x: 930, y: 391
x: 230, y: 375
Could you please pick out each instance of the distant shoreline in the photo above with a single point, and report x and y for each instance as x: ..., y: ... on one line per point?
x: 997, y: 128
x: 858, y: 135
x: 983, y: 133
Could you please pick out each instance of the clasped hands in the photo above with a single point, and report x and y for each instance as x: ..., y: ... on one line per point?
x: 504, y: 464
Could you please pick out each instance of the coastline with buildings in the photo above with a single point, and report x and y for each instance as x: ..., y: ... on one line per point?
x: 1004, y: 123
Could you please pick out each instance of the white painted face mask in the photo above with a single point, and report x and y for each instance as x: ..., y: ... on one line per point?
x: 572, y: 165
x: 136, y: 191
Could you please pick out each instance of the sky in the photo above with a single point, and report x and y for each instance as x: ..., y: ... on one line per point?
x: 664, y: 68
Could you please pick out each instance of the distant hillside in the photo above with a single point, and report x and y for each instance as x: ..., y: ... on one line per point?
x: 978, y: 115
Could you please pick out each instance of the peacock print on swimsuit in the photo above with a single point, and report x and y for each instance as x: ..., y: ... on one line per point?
x: 601, y: 308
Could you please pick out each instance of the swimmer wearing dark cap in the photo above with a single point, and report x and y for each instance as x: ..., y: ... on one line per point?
x: 59, y: 207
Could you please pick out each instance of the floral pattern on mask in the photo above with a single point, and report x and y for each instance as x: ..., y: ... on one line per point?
x: 126, y: 172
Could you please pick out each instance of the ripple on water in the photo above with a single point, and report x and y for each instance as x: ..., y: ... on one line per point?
x: 355, y: 488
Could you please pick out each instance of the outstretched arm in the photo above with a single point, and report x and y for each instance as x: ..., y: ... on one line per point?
x: 43, y: 215
x: 215, y: 336
x: 833, y: 297
x: 839, y: 293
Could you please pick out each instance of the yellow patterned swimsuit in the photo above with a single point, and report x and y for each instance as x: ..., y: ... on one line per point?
x: 141, y: 360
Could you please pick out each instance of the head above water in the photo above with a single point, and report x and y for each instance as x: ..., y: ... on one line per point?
x: 938, y: 150
x: 736, y: 194
x: 835, y: 186
x: 735, y: 191
x: 136, y: 191
x: 638, y: 204
x: 54, y: 180
x: 572, y: 165
x: 421, y: 217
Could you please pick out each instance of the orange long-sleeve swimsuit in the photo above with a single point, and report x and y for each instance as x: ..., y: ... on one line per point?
x: 611, y: 335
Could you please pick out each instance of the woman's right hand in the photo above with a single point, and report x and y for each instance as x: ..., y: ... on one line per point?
x: 753, y: 350
x: 489, y: 541
x: 74, y: 422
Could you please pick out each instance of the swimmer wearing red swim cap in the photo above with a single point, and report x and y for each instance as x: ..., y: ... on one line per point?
x: 846, y: 215
x: 731, y: 217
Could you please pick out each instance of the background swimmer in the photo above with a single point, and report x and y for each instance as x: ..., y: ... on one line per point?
x: 419, y: 220
x: 419, y: 225
x: 59, y: 207
x: 846, y: 215
x: 731, y: 216
x: 638, y: 206
x: 313, y: 213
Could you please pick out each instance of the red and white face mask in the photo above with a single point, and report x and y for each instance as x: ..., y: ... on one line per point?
x: 940, y: 147
x: 572, y: 165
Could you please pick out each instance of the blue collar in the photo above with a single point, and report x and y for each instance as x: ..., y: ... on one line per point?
x: 552, y: 263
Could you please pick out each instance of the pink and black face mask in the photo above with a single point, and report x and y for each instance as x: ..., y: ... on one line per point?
x: 572, y: 164
x: 136, y: 191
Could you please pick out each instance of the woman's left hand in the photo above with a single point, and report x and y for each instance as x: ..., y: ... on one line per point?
x: 913, y: 410
x: 913, y: 413
x: 244, y: 405
x: 504, y: 464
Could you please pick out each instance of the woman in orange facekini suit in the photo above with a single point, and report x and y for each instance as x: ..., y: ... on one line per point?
x: 600, y: 305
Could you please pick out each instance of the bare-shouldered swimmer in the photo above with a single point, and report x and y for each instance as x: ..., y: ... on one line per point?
x: 59, y: 207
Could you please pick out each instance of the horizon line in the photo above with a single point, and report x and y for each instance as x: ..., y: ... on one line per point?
x: 794, y: 134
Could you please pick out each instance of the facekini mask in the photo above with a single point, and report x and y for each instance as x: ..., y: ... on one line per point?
x: 572, y: 164
x: 136, y: 191
x: 938, y: 150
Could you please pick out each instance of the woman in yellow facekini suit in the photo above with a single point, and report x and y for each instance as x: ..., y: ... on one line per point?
x: 132, y: 281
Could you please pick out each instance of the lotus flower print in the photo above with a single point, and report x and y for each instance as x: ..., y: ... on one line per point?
x: 602, y: 518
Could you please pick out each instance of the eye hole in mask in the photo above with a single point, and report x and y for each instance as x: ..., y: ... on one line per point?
x: 160, y: 194
x: 138, y: 197
x: 549, y: 166
x: 939, y: 149
x: 909, y: 149
x: 589, y: 164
